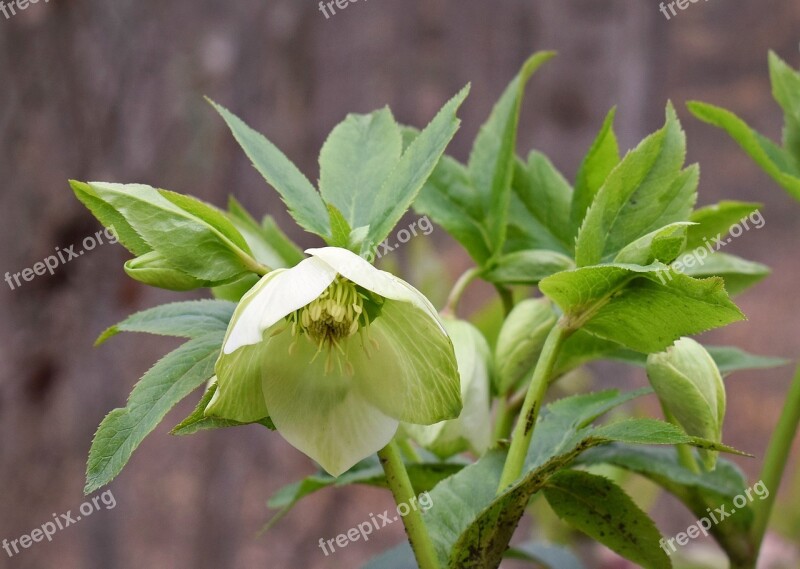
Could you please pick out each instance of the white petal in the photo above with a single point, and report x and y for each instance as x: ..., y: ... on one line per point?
x: 358, y: 270
x: 278, y: 294
x: 320, y: 413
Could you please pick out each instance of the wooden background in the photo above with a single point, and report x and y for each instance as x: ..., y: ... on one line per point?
x: 113, y: 89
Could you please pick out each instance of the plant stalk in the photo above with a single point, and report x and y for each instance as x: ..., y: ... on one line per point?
x: 461, y: 285
x: 523, y: 431
x: 403, y: 492
x: 778, y: 451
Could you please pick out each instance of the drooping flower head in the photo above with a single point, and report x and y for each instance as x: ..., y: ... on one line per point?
x: 336, y: 353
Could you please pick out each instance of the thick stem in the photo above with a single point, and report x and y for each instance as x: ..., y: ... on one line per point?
x: 403, y: 492
x: 780, y: 446
x: 506, y: 297
x: 523, y: 432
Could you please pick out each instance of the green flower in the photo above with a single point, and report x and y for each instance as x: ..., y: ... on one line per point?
x: 336, y: 353
x: 472, y: 429
x: 691, y: 390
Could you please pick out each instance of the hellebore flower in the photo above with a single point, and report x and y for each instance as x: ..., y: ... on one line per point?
x: 472, y: 429
x: 336, y: 353
x: 690, y: 387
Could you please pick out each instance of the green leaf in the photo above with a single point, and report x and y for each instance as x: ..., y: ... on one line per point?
x: 198, y: 421
x: 739, y: 274
x: 602, y: 158
x: 471, y: 526
x: 399, y: 190
x: 161, y: 388
x: 662, y: 466
x: 340, y: 229
x: 539, y: 216
x: 449, y: 199
x: 730, y: 359
x: 424, y: 477
x: 154, y: 270
x: 268, y: 243
x: 781, y: 165
x: 400, y: 557
x: 527, y: 267
x: 190, y: 243
x: 110, y: 218
x: 662, y: 245
x: 491, y: 161
x: 715, y: 221
x: 786, y: 91
x: 601, y: 509
x: 357, y: 157
x: 190, y: 319
x: 304, y: 203
x: 645, y: 192
x: 643, y: 308
x: 547, y: 555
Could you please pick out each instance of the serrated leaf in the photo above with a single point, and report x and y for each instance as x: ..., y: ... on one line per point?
x: 268, y: 243
x: 602, y: 158
x: 630, y: 305
x: 161, y: 388
x: 340, y: 229
x: 739, y: 274
x: 355, y: 160
x: 399, y: 190
x: 471, y: 526
x: 716, y: 221
x: 304, y: 203
x: 786, y: 91
x: 601, y: 509
x: 190, y: 319
x: 492, y: 158
x: 197, y: 420
x: 424, y: 476
x: 110, y: 218
x: 192, y: 244
x: 527, y: 267
x: 781, y: 165
x: 645, y: 192
x: 662, y: 245
x: 449, y: 199
x: 539, y: 215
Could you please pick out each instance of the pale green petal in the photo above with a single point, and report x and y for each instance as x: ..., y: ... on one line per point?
x: 412, y: 375
x: 384, y: 284
x: 472, y: 428
x: 319, y: 413
x: 278, y: 294
x: 239, y: 396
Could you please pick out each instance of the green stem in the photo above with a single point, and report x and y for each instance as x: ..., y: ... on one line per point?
x: 685, y: 454
x: 506, y: 297
x: 403, y: 492
x: 780, y: 446
x: 461, y: 285
x: 408, y: 450
x: 523, y: 432
x: 505, y: 419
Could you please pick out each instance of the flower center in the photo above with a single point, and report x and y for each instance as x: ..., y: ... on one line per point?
x: 335, y: 315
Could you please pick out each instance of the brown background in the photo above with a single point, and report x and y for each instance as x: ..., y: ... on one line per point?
x: 113, y: 90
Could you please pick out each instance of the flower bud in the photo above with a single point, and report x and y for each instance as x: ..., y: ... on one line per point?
x: 691, y: 390
x: 521, y: 340
x: 472, y: 429
x: 154, y: 270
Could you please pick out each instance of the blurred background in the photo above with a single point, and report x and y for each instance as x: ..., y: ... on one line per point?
x: 113, y: 91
